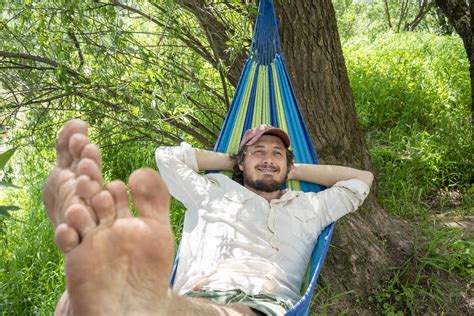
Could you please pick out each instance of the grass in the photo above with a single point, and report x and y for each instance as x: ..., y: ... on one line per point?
x: 31, y: 274
x: 430, y: 281
x: 412, y: 98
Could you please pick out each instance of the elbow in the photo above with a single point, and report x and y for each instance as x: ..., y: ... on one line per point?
x: 161, y: 156
x: 368, y: 178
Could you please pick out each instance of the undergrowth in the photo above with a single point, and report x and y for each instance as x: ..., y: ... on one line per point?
x: 31, y: 269
x: 412, y: 95
x: 428, y: 282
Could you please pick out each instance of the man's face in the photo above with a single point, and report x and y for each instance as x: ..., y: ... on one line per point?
x: 265, y: 164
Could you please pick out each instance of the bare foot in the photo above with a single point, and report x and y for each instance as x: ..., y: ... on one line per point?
x: 115, y: 264
x: 77, y: 166
x: 122, y: 265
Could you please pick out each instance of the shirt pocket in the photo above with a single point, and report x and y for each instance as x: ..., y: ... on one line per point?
x: 303, y: 225
x: 228, y: 209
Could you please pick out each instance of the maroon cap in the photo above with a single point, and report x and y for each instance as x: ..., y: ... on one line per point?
x: 253, y: 134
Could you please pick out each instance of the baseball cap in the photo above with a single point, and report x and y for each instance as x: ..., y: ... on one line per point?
x: 253, y: 134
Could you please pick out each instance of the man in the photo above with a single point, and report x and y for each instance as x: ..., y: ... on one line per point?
x: 256, y: 237
x: 249, y: 243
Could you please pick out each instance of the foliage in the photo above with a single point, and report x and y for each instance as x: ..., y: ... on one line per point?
x: 31, y: 273
x: 124, y: 67
x: 412, y: 97
x: 5, y: 156
x: 369, y: 18
x: 6, y: 209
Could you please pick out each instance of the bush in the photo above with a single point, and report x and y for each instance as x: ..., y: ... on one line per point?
x: 412, y: 94
x: 31, y: 273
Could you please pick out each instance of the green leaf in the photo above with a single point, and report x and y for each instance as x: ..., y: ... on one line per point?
x: 4, y: 209
x: 5, y: 156
x: 8, y: 185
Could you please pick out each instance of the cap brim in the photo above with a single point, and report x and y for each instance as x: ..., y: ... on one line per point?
x: 271, y: 131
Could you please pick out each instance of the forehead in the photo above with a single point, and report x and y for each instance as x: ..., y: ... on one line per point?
x: 269, y: 141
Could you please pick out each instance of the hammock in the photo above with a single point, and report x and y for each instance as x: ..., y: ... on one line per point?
x: 264, y: 95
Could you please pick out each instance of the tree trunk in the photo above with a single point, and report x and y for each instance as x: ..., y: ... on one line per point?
x: 387, y: 13
x: 459, y: 15
x: 368, y: 242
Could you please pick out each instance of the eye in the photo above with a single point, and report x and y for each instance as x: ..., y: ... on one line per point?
x: 278, y: 154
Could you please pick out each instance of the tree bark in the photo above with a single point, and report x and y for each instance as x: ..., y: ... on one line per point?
x: 370, y: 241
x: 459, y: 15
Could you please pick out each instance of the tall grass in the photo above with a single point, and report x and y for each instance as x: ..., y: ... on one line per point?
x: 31, y: 274
x: 412, y: 95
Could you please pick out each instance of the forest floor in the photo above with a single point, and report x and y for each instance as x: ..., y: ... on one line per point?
x: 438, y: 278
x: 460, y: 287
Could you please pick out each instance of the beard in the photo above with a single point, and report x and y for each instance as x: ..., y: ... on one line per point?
x: 268, y: 186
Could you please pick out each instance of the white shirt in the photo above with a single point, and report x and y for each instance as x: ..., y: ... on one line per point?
x: 234, y: 239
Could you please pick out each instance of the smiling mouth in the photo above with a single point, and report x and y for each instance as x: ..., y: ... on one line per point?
x: 267, y: 170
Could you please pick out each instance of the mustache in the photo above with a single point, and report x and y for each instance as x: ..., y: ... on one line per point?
x: 271, y: 167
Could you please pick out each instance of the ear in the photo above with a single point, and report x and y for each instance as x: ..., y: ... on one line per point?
x: 241, y: 167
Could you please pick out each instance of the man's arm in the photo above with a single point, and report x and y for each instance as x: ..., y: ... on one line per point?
x: 328, y: 175
x: 211, y: 160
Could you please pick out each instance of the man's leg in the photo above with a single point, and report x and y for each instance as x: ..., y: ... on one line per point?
x: 115, y: 263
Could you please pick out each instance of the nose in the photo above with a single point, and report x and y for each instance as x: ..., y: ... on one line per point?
x: 268, y: 158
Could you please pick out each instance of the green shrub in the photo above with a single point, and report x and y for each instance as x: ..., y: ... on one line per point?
x: 31, y: 274
x: 412, y: 94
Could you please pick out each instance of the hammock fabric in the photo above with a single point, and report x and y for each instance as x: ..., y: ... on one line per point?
x: 264, y: 95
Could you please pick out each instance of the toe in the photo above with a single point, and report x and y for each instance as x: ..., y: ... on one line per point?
x: 90, y: 168
x: 66, y: 237
x: 120, y: 196
x: 104, y: 207
x: 80, y: 218
x: 49, y: 195
x: 150, y: 194
x: 92, y: 151
x: 77, y: 142
x: 64, y: 156
x: 86, y: 188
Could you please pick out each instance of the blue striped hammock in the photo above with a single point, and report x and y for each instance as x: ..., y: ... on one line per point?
x: 264, y: 95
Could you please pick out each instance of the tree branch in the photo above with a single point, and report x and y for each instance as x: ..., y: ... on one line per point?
x: 44, y: 60
x: 192, y: 43
x: 424, y: 9
x: 216, y: 34
x: 459, y: 15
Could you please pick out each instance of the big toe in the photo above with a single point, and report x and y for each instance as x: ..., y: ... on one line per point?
x: 150, y: 194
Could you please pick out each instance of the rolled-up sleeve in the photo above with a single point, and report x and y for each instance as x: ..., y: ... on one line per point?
x: 179, y: 169
x: 340, y: 199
